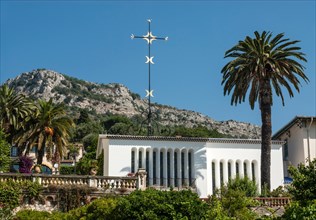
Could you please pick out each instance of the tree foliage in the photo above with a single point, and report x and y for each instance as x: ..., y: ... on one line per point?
x: 303, y: 190
x: 15, y: 110
x: 4, y: 153
x: 49, y: 128
x: 303, y: 187
x: 234, y: 199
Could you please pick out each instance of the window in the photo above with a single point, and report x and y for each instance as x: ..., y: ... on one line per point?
x: 140, y: 155
x: 237, y: 169
x: 133, y: 162
x: 286, y: 150
x: 147, y: 167
x: 253, y: 171
x: 245, y: 170
x: 229, y: 170
x: 176, y: 169
x: 221, y: 173
x: 154, y: 168
x: 190, y: 169
x: 161, y: 169
x: 182, y: 166
x: 14, y: 151
x: 168, y: 168
x: 213, y: 177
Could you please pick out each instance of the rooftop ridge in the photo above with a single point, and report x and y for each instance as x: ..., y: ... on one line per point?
x: 187, y: 139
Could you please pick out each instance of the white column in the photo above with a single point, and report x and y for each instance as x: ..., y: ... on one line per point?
x: 179, y: 179
x: 241, y: 169
x: 158, y: 167
x: 249, y: 170
x: 150, y: 175
x: 225, y: 172
x: 165, y: 169
x: 233, y: 169
x: 144, y: 159
x: 217, y: 175
x: 171, y: 167
x: 186, y: 168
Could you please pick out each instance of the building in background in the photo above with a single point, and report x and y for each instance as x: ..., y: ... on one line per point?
x: 299, y: 136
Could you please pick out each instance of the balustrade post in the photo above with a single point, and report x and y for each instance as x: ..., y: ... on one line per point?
x: 36, y: 179
x: 141, y: 179
x: 92, y: 182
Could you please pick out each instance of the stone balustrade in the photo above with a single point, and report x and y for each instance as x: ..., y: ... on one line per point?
x: 274, y: 201
x: 98, y: 182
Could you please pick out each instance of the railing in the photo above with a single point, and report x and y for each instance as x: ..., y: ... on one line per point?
x: 274, y: 201
x: 99, y: 182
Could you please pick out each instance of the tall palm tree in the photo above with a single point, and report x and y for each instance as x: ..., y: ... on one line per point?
x: 49, y: 130
x: 263, y: 64
x: 15, y: 110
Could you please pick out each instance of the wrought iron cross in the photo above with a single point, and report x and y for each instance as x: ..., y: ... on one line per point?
x: 149, y: 37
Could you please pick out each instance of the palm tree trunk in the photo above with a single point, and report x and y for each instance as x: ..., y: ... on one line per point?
x: 266, y: 133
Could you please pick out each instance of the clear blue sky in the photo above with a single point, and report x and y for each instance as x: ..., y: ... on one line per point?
x: 91, y: 40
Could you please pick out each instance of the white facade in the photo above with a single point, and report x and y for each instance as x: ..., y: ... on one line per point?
x: 177, y: 162
x: 300, y: 141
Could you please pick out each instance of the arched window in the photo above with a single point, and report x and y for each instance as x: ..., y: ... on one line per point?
x: 154, y: 167
x: 182, y: 167
x: 133, y: 161
x: 161, y: 168
x: 229, y: 170
x: 176, y: 169
x: 221, y: 173
x: 147, y: 167
x: 245, y: 169
x: 213, y: 177
x: 168, y: 169
x: 253, y: 171
x: 190, y: 168
x: 140, y: 156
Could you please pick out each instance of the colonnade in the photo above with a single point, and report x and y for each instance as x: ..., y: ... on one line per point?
x: 223, y: 170
x: 165, y: 167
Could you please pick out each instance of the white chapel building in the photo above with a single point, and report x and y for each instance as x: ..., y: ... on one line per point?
x: 202, y: 163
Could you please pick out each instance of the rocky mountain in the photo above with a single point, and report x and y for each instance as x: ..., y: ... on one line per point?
x: 117, y: 99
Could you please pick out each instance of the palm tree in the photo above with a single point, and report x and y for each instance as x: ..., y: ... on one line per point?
x: 49, y: 130
x: 15, y: 111
x: 263, y: 64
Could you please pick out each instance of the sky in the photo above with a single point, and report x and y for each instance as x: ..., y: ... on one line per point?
x: 90, y: 40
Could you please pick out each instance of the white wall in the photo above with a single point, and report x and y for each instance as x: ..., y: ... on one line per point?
x: 244, y: 152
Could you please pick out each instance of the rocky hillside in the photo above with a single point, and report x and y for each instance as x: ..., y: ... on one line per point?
x: 116, y: 99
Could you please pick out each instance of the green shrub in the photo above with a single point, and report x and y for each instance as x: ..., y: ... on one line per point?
x: 31, y: 215
x: 155, y: 204
x: 245, y: 185
x: 66, y: 170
